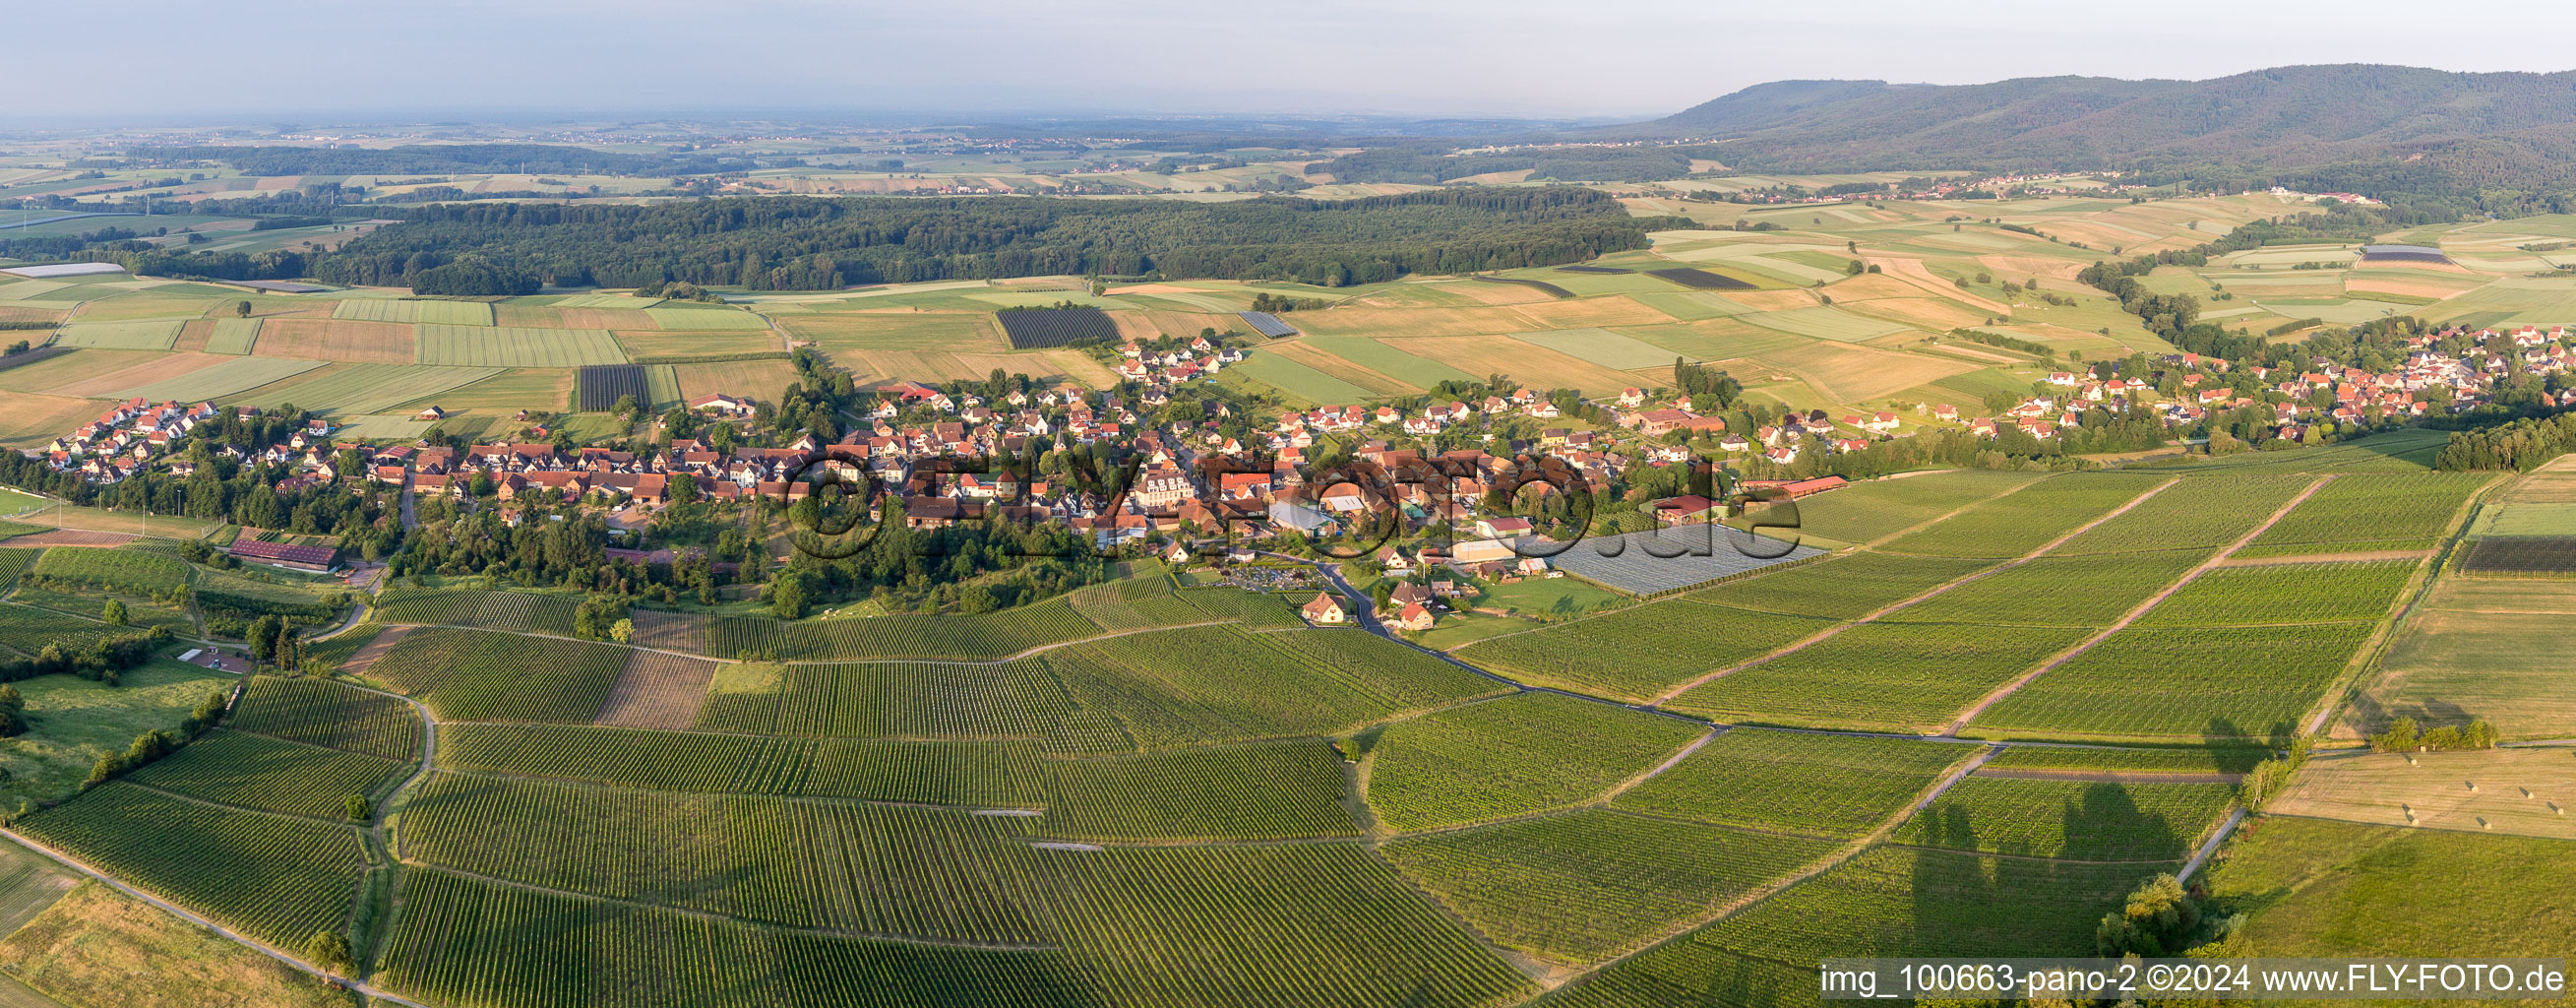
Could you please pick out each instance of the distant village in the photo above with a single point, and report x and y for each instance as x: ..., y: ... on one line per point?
x: 1194, y: 482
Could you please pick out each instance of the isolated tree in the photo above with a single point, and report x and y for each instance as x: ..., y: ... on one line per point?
x: 330, y: 950
x: 13, y: 712
x: 358, y: 807
x: 242, y: 309
x: 113, y: 613
x: 787, y: 598
x: 263, y: 638
x: 622, y: 631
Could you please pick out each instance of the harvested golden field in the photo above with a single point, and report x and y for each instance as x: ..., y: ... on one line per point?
x: 32, y: 420
x: 2428, y: 285
x: 2015, y: 267
x: 1916, y: 273
x: 898, y: 329
x: 937, y: 365
x: 1852, y: 374
x: 74, y: 366
x: 1530, y: 365
x: 1376, y: 382
x: 1871, y: 286
x: 335, y: 340
x: 18, y: 313
x: 98, y: 946
x: 573, y: 318
x: 1595, y: 311
x: 160, y: 367
x: 193, y: 336
x: 1488, y: 292
x: 1772, y: 300
x: 1078, y: 366
x: 762, y: 380
x: 1394, y: 322
x: 1151, y: 325
x: 2524, y: 791
x: 1929, y: 314
x: 662, y: 343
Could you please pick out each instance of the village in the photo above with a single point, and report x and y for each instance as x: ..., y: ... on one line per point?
x: 1196, y: 493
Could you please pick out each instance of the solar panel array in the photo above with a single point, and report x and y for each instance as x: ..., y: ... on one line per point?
x: 1039, y: 328
x: 1267, y: 324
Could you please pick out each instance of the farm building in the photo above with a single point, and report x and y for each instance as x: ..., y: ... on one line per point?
x: 2402, y: 254
x: 304, y: 558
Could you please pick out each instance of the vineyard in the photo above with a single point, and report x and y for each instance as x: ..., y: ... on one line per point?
x: 600, y: 386
x: 2022, y: 521
x: 1846, y: 587
x: 1315, y: 925
x: 468, y: 942
x: 912, y: 700
x: 474, y: 675
x: 1042, y: 328
x: 1889, y: 901
x: 1580, y: 887
x: 2084, y: 820
x: 1518, y: 754
x: 2098, y: 760
x: 972, y: 774
x: 28, y: 629
x: 1252, y: 792
x: 1874, y: 510
x: 130, y: 571
x: 2092, y: 591
x: 1788, y: 782
x: 2520, y: 556
x: 269, y: 775
x: 324, y: 713
x: 1135, y: 604
x: 987, y: 637
x: 1895, y: 676
x: 1248, y: 609
x: 276, y: 878
x: 2285, y: 593
x: 878, y: 869
x: 2215, y: 683
x: 521, y: 612
x: 1210, y: 684
x: 1404, y: 677
x: 2369, y: 511
x: 14, y: 562
x: 2199, y: 514
x: 1638, y: 652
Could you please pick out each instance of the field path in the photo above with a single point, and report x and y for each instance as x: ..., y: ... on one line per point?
x: 1831, y: 632
x: 2363, y: 556
x: 2132, y: 615
x: 2210, y: 846
x: 1912, y: 271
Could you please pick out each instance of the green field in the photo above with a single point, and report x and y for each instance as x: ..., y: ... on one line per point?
x: 2318, y: 888
x: 1299, y: 380
x: 2215, y: 683
x: 2083, y: 820
x: 219, y: 380
x: 233, y: 336
x: 1379, y: 356
x: 364, y: 388
x: 1603, y: 347
x: 703, y: 318
x: 1823, y: 323
x: 449, y: 313
x: 497, y: 346
x: 159, y: 334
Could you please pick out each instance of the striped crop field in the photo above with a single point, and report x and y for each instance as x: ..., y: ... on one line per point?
x: 495, y: 346
x: 467, y: 313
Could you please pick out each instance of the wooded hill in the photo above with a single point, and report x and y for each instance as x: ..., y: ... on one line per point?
x: 2343, y: 126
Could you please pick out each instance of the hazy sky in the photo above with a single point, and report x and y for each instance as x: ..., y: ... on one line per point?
x: 259, y: 60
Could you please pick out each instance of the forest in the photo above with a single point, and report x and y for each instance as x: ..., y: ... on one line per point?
x: 812, y: 243
x: 1435, y: 165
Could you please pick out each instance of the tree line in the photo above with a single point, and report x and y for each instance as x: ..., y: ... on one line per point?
x: 819, y: 243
